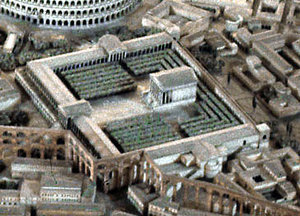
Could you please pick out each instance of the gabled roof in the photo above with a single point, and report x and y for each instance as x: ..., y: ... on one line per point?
x: 174, y: 78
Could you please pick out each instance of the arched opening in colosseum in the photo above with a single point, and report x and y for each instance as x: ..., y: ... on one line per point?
x: 75, y: 168
x: 21, y: 135
x: 215, y: 202
x: 7, y: 134
x: 6, y: 141
x: 21, y: 153
x: 60, y: 141
x: 48, y: 153
x: 247, y: 209
x: 125, y: 177
x: 35, y: 153
x: 60, y: 154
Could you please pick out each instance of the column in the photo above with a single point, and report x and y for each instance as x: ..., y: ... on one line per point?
x: 209, y: 199
x: 147, y: 172
x: 120, y: 175
x: 141, y: 171
x: 93, y: 173
x: 105, y: 180
x: 80, y: 165
x: 221, y: 203
x: 162, y: 187
x: 185, y: 193
x: 42, y: 151
x: 252, y: 210
x: 230, y: 206
x: 157, y: 183
x: 255, y: 7
x: 241, y: 208
x: 85, y: 168
x: 197, y: 195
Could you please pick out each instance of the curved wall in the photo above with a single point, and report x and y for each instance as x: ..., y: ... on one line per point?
x: 68, y: 13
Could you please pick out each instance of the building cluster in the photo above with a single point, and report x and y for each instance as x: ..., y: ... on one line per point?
x: 11, y: 37
x: 147, y: 147
x: 270, y: 65
x: 179, y: 20
x: 146, y: 115
x: 50, y: 187
x: 41, y: 175
x: 52, y: 86
x: 272, y: 175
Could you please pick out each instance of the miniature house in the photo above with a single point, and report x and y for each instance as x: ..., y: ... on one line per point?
x: 172, y: 87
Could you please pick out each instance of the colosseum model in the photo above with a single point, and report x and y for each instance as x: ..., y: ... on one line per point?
x: 68, y: 13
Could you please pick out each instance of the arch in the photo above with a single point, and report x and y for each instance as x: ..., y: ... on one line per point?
x: 35, y: 153
x: 21, y: 153
x: 60, y: 141
x: 60, y: 154
x: 48, y: 153
x: 6, y: 133
x: 101, y: 166
x: 6, y: 141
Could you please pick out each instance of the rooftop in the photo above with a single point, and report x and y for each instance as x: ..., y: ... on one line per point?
x: 62, y: 181
x: 174, y: 78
